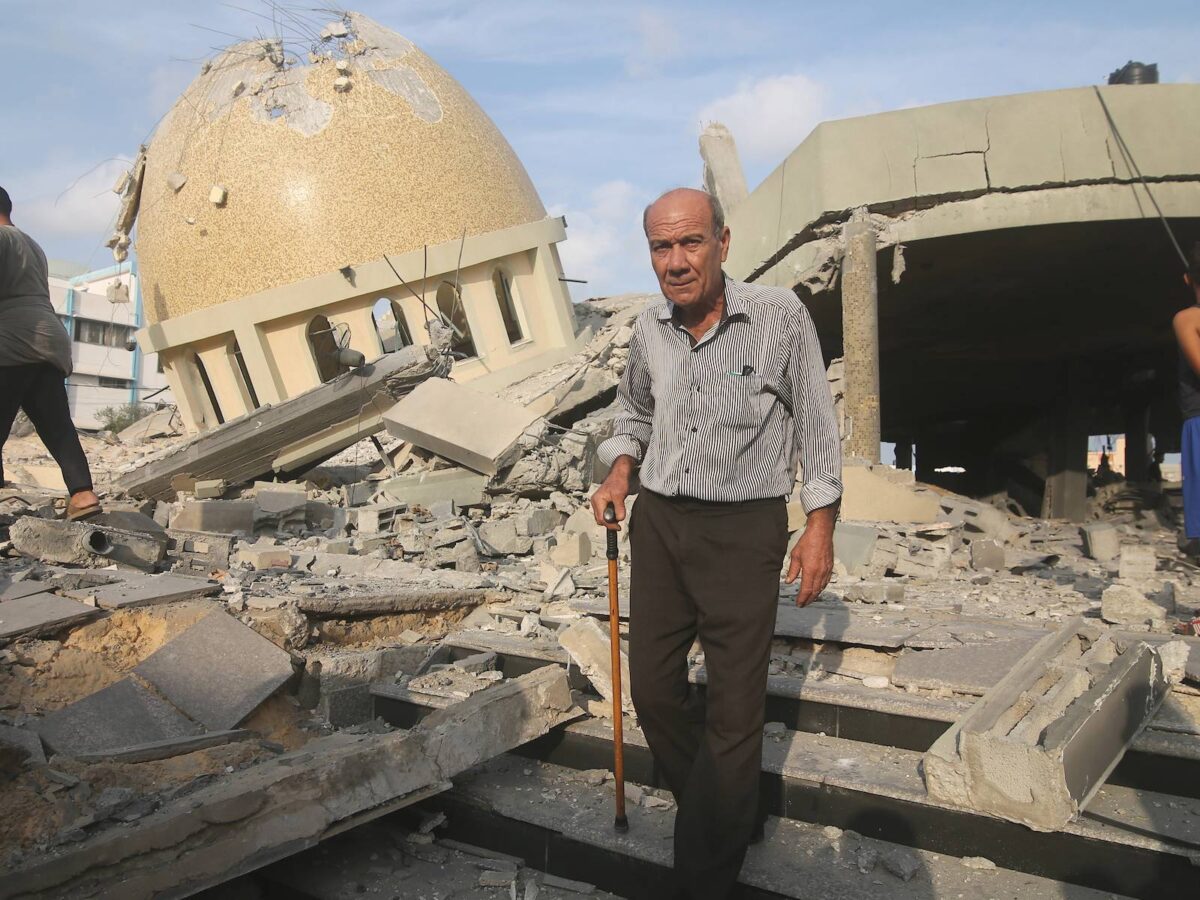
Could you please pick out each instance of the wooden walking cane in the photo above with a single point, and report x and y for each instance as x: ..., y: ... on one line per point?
x: 614, y: 635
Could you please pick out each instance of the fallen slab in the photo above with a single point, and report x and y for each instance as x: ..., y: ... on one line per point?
x: 146, y: 590
x: 82, y: 543
x: 117, y: 717
x: 1039, y: 744
x: 39, y: 613
x: 286, y: 804
x: 465, y: 426
x: 588, y: 645
x: 289, y: 436
x: 218, y: 671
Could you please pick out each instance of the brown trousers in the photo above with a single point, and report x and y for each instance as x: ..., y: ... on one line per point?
x: 709, y: 570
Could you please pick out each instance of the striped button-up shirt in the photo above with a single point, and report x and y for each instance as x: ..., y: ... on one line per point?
x: 726, y: 418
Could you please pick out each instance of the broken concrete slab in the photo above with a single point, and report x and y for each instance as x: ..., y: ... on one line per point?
x: 1123, y: 604
x: 280, y: 806
x: 22, y: 745
x: 977, y: 517
x: 121, y: 715
x: 400, y: 600
x: 38, y: 613
x: 146, y: 590
x: 854, y: 546
x: 218, y: 671
x: 971, y: 669
x: 83, y: 543
x: 987, y: 555
x: 572, y: 548
x: 588, y: 644
x: 460, y: 424
x: 1101, y: 541
x: 1039, y: 744
x: 201, y: 552
x: 872, y: 497
x: 293, y: 434
x: 502, y: 539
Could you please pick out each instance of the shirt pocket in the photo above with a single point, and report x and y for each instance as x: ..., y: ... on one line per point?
x: 736, y: 402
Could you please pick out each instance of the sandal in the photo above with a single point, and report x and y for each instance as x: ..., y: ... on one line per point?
x: 83, y: 512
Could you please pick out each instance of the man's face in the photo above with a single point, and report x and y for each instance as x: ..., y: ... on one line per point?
x: 685, y: 253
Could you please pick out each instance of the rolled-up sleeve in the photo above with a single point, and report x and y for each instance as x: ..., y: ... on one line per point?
x: 632, y: 427
x: 814, y: 419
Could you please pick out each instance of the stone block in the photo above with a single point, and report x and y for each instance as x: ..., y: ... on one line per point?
x: 86, y: 543
x: 573, y: 548
x: 265, y: 556
x: 1039, y: 744
x: 220, y: 516
x: 1123, y: 604
x: 987, y: 554
x: 587, y: 643
x: 457, y: 423
x: 1138, y: 562
x: 22, y: 743
x: 218, y: 671
x: 209, y: 489
x: 376, y: 518
x: 503, y: 538
x: 854, y: 546
x: 534, y: 522
x: 460, y: 487
x: 1101, y: 541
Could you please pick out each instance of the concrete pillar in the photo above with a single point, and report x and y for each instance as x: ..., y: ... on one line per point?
x: 1137, y: 442
x: 723, y: 176
x: 1065, y: 496
x: 860, y: 337
x: 268, y: 385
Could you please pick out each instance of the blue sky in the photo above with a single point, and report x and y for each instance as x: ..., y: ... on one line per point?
x: 603, y: 102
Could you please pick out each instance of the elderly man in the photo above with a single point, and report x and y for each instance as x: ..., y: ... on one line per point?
x: 724, y: 392
x: 35, y: 357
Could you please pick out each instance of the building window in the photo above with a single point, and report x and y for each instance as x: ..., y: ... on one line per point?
x: 502, y: 285
x: 323, y: 343
x: 391, y: 325
x: 106, y: 334
x: 450, y: 305
x: 122, y: 383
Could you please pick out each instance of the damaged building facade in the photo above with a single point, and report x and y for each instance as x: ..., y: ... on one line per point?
x: 289, y: 210
x: 994, y: 273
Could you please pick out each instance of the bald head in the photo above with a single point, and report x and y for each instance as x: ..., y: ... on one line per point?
x: 688, y: 196
x: 688, y: 241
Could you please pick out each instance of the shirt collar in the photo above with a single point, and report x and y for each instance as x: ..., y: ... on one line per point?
x: 735, y: 306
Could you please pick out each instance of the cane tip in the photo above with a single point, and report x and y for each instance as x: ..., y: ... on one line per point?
x: 621, y: 824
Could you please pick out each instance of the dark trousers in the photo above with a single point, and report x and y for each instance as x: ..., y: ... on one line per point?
x: 712, y: 570
x: 39, y: 390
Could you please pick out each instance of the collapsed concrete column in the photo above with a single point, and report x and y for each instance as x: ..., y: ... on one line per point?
x: 1137, y: 442
x: 860, y: 337
x: 723, y: 176
x: 1065, y: 496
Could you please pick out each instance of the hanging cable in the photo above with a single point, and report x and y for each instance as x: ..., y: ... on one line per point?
x: 1133, y: 166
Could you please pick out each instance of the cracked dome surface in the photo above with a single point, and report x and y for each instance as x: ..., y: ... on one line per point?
x: 365, y: 146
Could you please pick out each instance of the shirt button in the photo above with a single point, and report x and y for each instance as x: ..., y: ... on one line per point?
x: 686, y: 471
x: 694, y: 429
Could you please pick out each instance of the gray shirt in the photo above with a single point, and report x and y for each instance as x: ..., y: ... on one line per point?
x: 30, y: 331
x: 729, y: 417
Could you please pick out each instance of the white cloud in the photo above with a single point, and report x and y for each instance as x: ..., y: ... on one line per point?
x: 64, y: 200
x: 658, y: 42
x: 604, y: 242
x: 770, y: 116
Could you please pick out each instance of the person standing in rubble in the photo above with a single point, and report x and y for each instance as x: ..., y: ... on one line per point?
x: 724, y: 392
x: 1187, y: 333
x: 35, y: 358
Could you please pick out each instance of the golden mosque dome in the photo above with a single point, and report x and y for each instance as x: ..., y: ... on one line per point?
x: 271, y: 169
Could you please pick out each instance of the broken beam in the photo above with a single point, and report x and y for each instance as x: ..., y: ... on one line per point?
x: 292, y: 802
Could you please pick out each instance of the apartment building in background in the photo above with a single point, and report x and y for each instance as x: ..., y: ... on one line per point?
x: 101, y: 310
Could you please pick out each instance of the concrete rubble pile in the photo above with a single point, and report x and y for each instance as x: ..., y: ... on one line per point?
x: 266, y: 621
